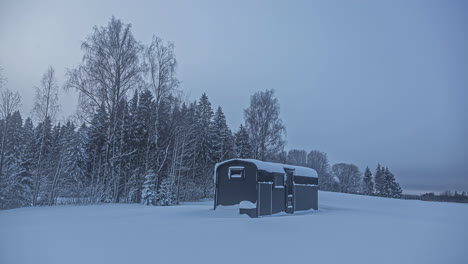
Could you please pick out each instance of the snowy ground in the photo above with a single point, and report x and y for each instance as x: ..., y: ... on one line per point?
x: 347, y: 228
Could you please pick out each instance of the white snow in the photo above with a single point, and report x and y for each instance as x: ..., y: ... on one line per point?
x: 275, y: 167
x: 247, y: 205
x: 346, y: 229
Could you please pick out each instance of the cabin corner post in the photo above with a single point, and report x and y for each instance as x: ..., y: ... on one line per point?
x: 216, y: 190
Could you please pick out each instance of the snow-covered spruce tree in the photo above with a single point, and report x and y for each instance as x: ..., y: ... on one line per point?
x: 15, y: 190
x: 144, y: 131
x: 74, y: 162
x: 61, y: 137
x: 386, y: 183
x: 189, y: 184
x: 138, y: 138
x: 166, y: 195
x: 391, y: 188
x: 222, y: 137
x: 379, y: 181
x: 368, y: 182
x: 148, y: 193
x: 396, y: 190
x: 123, y: 150
x: 9, y: 103
x: 96, y: 151
x: 15, y: 183
x: 42, y: 167
x: 204, y: 147
x: 243, y: 145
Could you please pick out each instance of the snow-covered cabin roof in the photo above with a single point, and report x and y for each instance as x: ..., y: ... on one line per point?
x: 275, y: 167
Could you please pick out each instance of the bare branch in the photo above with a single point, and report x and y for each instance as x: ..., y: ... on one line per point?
x: 110, y: 68
x: 9, y: 103
x: 46, y: 103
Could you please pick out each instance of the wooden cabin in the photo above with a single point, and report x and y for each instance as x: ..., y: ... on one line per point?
x: 265, y: 187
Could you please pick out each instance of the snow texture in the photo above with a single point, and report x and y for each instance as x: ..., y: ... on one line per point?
x: 247, y: 205
x: 276, y: 167
x: 346, y: 229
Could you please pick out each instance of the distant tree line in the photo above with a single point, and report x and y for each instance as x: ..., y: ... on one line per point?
x: 447, y: 196
x: 344, y: 177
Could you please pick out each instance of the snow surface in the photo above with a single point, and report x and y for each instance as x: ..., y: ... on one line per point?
x: 247, y: 205
x: 276, y: 167
x: 346, y: 229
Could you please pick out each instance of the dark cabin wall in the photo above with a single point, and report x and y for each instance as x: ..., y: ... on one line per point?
x: 279, y: 200
x: 230, y: 192
x: 306, y: 197
x: 305, y: 180
x: 278, y: 189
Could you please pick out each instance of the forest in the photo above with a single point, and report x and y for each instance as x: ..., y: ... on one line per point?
x: 135, y: 138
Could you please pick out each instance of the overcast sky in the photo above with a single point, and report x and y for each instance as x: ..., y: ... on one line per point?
x: 364, y: 81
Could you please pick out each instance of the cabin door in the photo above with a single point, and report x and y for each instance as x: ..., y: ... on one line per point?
x: 264, y: 201
x: 289, y: 179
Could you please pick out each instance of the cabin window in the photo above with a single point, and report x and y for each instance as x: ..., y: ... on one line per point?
x: 279, y: 180
x: 236, y: 173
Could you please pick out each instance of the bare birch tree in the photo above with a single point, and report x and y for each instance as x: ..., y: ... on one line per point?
x: 9, y: 103
x: 46, y: 103
x: 265, y: 126
x: 297, y: 157
x: 111, y: 67
x: 46, y: 107
x: 2, y: 78
x: 318, y: 161
x: 349, y: 177
x: 161, y: 71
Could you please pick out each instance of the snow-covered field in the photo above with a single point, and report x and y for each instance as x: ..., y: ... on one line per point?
x: 346, y: 229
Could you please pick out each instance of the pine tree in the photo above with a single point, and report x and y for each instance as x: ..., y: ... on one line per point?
x: 148, y: 193
x: 368, y: 187
x: 28, y: 139
x: 61, y: 138
x: 123, y: 149
x: 379, y: 181
x: 204, y: 146
x: 42, y: 148
x: 222, y: 140
x: 96, y: 153
x: 16, y: 190
x: 15, y: 183
x: 74, y: 161
x: 243, y: 146
x: 189, y: 184
x: 204, y: 114
x: 166, y: 195
x: 390, y: 187
x: 13, y: 142
x: 138, y: 138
